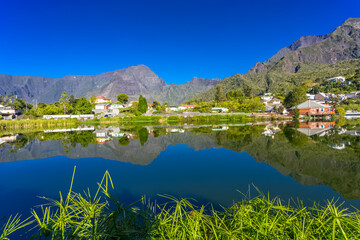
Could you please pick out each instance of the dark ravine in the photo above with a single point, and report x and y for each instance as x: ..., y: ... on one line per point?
x: 133, y: 81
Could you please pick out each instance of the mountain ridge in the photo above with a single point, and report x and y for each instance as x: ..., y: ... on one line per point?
x: 337, y: 53
x: 133, y: 81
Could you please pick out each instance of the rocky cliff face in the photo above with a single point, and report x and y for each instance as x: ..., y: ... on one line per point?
x: 306, y: 41
x: 258, y: 68
x: 341, y: 44
x: 133, y: 81
x: 292, y: 64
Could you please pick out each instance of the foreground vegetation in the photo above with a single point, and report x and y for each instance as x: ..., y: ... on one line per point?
x: 101, y: 216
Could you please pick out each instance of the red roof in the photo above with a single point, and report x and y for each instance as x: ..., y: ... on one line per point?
x: 189, y: 106
x: 101, y: 97
x: 150, y: 104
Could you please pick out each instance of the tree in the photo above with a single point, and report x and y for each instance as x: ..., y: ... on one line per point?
x: 142, y: 107
x: 156, y: 103
x: 219, y: 95
x: 295, y: 97
x: 50, y: 109
x: 124, y: 141
x: 232, y: 95
x: 72, y: 100
x: 41, y: 105
x: 83, y: 106
x: 92, y: 99
x: 122, y: 98
x: 64, y: 99
x: 143, y: 135
x: 340, y: 111
x: 247, y: 91
x: 21, y: 104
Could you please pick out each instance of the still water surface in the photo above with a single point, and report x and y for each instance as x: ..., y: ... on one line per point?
x: 315, y: 161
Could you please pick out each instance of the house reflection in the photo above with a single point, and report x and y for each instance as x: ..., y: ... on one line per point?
x: 315, y: 128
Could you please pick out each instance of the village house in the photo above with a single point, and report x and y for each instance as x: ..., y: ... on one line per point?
x: 353, y: 94
x: 323, y: 97
x: 220, y: 128
x: 336, y: 79
x: 266, y: 97
x: 173, y: 108
x: 8, y: 138
x: 102, y: 136
x: 116, y: 106
x: 7, y: 112
x: 219, y: 110
x: 102, y: 106
x: 314, y: 125
x: 313, y: 108
x: 315, y: 128
x: 132, y: 102
x: 310, y: 96
x: 186, y: 107
x: 274, y: 101
x: 101, y: 99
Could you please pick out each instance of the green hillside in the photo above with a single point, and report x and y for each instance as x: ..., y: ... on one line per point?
x: 338, y: 53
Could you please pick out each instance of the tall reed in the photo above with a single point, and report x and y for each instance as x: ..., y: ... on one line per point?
x: 102, y: 216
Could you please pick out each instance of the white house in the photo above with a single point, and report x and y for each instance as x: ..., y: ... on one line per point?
x: 7, y: 110
x: 186, y: 107
x: 219, y: 109
x: 267, y: 97
x: 275, y: 101
x: 336, y: 79
x: 174, y: 108
x: 310, y: 96
x: 116, y: 106
x: 101, y: 99
x: 102, y: 106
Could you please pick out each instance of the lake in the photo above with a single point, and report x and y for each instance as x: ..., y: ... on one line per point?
x: 212, y: 163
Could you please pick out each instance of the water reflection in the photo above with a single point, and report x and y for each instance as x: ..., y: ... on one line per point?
x: 314, y: 153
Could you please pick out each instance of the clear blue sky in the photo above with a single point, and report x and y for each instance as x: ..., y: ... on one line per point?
x: 177, y: 41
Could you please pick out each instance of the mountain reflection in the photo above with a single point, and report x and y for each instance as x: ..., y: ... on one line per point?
x: 312, y: 153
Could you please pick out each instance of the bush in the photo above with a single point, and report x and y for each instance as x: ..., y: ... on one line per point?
x: 173, y: 119
x: 340, y: 111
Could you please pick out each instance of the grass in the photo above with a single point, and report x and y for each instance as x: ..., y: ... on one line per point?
x: 101, y: 216
x: 36, y: 123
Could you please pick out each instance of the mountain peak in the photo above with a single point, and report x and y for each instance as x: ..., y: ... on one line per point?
x: 354, y: 22
x: 203, y: 81
x: 258, y: 68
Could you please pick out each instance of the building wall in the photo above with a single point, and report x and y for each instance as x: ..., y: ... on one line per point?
x: 101, y: 100
x: 317, y: 111
x: 313, y: 125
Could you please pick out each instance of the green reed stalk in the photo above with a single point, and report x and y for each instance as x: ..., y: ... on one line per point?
x: 102, y: 216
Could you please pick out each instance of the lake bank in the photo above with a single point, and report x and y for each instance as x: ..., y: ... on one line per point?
x: 129, y: 120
